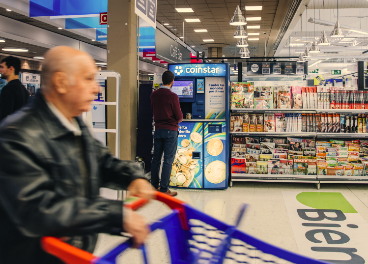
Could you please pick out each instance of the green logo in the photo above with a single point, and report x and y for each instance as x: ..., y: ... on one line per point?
x: 326, y: 200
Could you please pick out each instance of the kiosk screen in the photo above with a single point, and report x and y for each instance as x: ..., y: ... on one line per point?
x: 184, y: 89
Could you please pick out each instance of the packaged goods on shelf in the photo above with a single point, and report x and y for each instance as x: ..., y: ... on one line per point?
x: 300, y: 156
x: 297, y: 102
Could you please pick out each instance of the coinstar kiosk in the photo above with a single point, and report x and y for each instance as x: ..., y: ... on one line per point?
x: 202, y: 158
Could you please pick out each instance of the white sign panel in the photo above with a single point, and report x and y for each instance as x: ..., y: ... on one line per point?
x: 147, y: 9
x: 215, y: 97
x: 327, y: 227
x: 31, y: 78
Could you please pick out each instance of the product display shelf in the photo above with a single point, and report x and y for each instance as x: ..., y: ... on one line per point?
x: 274, y: 176
x: 351, y: 111
x: 275, y: 134
x: 342, y: 135
x: 252, y: 110
x: 324, y: 178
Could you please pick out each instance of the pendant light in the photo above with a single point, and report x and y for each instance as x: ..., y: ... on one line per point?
x: 337, y: 31
x: 306, y: 53
x: 240, y: 33
x: 323, y: 41
x: 243, y: 50
x: 238, y: 19
x: 245, y: 55
x: 242, y: 43
x: 300, y: 59
x: 314, y: 48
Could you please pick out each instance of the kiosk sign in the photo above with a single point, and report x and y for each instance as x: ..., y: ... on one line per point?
x: 190, y: 70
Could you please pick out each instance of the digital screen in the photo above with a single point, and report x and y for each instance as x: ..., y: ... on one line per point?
x: 184, y: 89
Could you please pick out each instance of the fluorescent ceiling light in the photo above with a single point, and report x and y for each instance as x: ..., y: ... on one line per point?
x: 347, y: 39
x: 296, y: 44
x: 193, y: 46
x: 181, y: 37
x: 93, y: 39
x: 151, y: 74
x: 8, y: 10
x: 60, y: 28
x: 253, y: 34
x: 166, y: 24
x: 253, y: 18
x: 253, y: 38
x: 38, y: 58
x: 200, y: 30
x: 184, y: 10
x: 253, y: 8
x: 2, y: 40
x: 190, y: 20
x: 208, y: 40
x: 253, y: 27
x: 101, y: 63
x: 15, y: 49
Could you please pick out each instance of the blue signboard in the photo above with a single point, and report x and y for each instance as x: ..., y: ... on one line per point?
x: 202, y: 70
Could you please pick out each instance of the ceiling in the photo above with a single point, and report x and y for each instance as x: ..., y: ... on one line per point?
x: 215, y: 16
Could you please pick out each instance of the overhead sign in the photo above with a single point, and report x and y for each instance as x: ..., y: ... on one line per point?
x: 206, y: 70
x: 103, y: 18
x: 147, y: 9
x: 336, y: 72
x: 169, y: 50
x: 314, y: 71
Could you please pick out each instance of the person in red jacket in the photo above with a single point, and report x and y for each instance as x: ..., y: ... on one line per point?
x: 167, y: 116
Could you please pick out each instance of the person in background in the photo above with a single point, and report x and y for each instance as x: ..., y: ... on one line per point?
x: 51, y: 168
x: 14, y: 95
x: 167, y: 116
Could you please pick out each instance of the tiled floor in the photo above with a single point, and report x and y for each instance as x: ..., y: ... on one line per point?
x: 266, y: 217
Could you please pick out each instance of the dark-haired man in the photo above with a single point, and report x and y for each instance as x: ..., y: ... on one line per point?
x: 14, y: 95
x: 167, y: 116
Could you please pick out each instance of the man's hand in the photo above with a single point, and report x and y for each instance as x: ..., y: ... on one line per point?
x: 141, y: 188
x: 135, y: 225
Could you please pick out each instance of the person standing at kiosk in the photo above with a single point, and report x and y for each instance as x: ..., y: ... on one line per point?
x: 167, y: 116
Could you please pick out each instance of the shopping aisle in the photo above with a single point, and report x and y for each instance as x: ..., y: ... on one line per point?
x: 267, y: 217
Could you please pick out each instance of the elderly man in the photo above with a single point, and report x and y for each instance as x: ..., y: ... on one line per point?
x: 51, y: 168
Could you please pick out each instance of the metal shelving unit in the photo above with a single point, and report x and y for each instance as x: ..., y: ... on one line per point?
x: 275, y: 134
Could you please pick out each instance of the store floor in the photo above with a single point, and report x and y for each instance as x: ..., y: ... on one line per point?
x: 267, y: 218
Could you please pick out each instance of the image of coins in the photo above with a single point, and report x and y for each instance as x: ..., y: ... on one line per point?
x: 196, y: 137
x: 215, y: 147
x: 185, y: 143
x: 215, y: 172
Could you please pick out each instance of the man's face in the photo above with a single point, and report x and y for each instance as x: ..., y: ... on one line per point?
x: 4, y: 71
x: 82, y: 91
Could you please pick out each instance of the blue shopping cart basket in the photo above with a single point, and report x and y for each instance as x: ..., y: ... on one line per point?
x: 193, y: 237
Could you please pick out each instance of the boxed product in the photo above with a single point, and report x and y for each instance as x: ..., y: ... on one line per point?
x: 237, y: 123
x: 322, y: 167
x: 250, y: 167
x: 297, y: 97
x: 237, y: 165
x: 267, y: 148
x: 266, y: 139
x: 280, y: 122
x: 300, y: 166
x: 252, y: 140
x: 246, y: 122
x: 259, y: 126
x: 252, y: 123
x: 262, y: 167
x: 283, y: 98
x: 265, y: 157
x: 251, y: 157
x: 312, y: 167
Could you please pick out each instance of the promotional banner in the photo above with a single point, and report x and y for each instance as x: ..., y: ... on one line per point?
x: 215, y: 155
x: 215, y: 98
x: 147, y: 9
x: 326, y: 226
x: 83, y: 22
x: 187, y: 170
x: 169, y: 50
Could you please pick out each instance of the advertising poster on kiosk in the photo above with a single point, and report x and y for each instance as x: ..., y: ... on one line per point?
x: 187, y: 169
x: 215, y: 98
x: 215, y: 157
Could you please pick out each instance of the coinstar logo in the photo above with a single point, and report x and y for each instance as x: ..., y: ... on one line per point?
x: 198, y: 70
x: 327, y: 227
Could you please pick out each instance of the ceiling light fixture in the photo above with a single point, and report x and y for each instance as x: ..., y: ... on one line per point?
x: 238, y: 19
x: 166, y: 24
x: 242, y: 43
x: 300, y: 59
x: 9, y: 10
x: 243, y: 50
x: 306, y: 53
x: 2, y: 40
x: 253, y: 8
x: 253, y: 18
x: 191, y: 20
x: 208, y: 40
x: 93, y: 40
x: 323, y: 41
x: 200, y: 30
x: 15, y: 49
x: 101, y: 63
x: 253, y: 27
x: 245, y: 56
x: 184, y: 10
x: 38, y: 58
x: 337, y: 31
x: 193, y: 46
x: 314, y: 48
x: 240, y: 33
x: 60, y: 28
x: 253, y: 39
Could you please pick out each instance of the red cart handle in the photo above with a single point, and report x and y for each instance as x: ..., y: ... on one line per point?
x: 71, y: 255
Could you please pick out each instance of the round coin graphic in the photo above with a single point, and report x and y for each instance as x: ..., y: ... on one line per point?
x: 185, y: 143
x: 196, y: 137
x: 215, y: 147
x: 215, y: 172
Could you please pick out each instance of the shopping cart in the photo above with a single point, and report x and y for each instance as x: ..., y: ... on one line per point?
x: 193, y: 237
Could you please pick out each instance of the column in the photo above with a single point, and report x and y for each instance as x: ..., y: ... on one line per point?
x: 122, y: 58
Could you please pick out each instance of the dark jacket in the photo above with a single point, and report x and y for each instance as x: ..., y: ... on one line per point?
x: 40, y: 184
x: 12, y: 98
x: 166, y: 109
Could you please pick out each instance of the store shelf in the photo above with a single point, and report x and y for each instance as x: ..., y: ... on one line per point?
x: 341, y: 135
x: 239, y: 176
x: 103, y: 103
x: 245, y: 110
x: 204, y: 120
x: 325, y: 178
x: 275, y: 134
x: 354, y: 111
